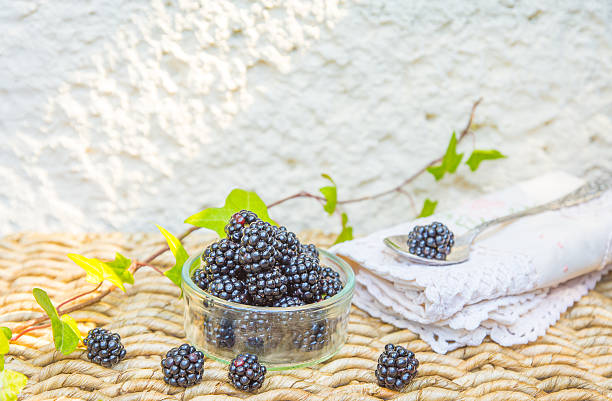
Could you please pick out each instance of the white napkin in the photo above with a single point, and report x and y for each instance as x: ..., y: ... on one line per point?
x: 507, y: 288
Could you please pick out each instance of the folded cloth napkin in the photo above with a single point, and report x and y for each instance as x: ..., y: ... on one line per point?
x: 520, y: 277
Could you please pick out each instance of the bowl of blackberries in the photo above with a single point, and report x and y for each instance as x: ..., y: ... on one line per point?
x: 261, y: 291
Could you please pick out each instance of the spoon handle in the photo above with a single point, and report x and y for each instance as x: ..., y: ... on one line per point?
x: 591, y: 190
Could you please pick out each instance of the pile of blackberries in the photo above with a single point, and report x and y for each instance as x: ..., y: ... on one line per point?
x: 264, y: 265
x: 433, y: 241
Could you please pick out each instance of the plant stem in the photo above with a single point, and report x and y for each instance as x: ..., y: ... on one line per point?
x: 44, y: 326
x: 398, y: 188
x: 77, y: 297
x: 303, y: 194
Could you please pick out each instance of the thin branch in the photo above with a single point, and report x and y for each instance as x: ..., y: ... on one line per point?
x: 407, y: 181
x: 44, y: 326
x: 77, y: 297
x: 303, y: 194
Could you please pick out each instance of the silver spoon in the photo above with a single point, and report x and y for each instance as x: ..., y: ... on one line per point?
x: 460, y: 252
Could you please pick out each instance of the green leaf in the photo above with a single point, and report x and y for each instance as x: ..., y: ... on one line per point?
x: 428, y: 208
x: 120, y: 266
x: 69, y: 338
x: 331, y: 195
x: 478, y: 156
x: 11, y: 384
x: 215, y: 218
x: 98, y: 271
x: 4, y: 344
x: 56, y: 324
x: 64, y: 336
x: 347, y: 231
x: 7, y: 333
x: 450, y: 161
x: 180, y: 255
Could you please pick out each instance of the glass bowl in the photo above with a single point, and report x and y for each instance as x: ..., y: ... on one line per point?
x: 282, y: 338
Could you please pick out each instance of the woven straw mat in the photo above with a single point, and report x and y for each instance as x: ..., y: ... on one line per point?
x: 573, y: 361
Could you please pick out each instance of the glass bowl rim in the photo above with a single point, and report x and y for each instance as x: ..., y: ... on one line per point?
x: 328, y: 303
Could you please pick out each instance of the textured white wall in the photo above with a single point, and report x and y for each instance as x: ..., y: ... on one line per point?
x: 115, y: 115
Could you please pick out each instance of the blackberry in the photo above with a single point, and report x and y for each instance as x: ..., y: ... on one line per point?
x: 104, y: 347
x: 257, y: 252
x: 303, y: 273
x: 245, y: 373
x: 183, y: 366
x: 266, y: 287
x: 396, y: 367
x: 221, y: 258
x: 328, y: 272
x: 200, y: 279
x: 329, y: 287
x: 310, y: 250
x: 254, y: 330
x: 313, y: 338
x: 230, y: 289
x: 433, y: 241
x: 237, y: 222
x: 287, y: 245
x: 219, y: 333
x: 288, y: 301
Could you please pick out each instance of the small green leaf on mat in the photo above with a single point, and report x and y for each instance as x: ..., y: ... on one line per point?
x: 331, y: 195
x: 478, y: 156
x: 347, y: 231
x: 450, y: 162
x: 72, y: 324
x: 428, y: 208
x: 11, y: 384
x: 5, y: 336
x: 215, y: 218
x: 180, y: 256
x: 64, y: 336
x: 97, y: 271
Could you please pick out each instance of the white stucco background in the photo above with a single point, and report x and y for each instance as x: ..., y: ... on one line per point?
x: 117, y: 115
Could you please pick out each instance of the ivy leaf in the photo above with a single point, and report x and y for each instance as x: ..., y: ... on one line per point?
x: 97, y: 271
x: 215, y: 218
x: 428, y: 208
x: 478, y: 156
x: 65, y: 337
x: 180, y: 255
x: 331, y: 195
x: 450, y: 161
x: 11, y: 384
x: 5, y: 336
x: 120, y: 266
x: 347, y: 231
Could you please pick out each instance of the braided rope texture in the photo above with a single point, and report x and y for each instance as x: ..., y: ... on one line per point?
x: 573, y: 361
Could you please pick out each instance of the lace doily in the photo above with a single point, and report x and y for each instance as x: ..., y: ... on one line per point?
x: 499, y: 292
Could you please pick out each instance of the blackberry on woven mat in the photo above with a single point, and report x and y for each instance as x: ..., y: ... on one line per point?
x: 230, y: 289
x: 219, y: 333
x: 396, y: 367
x: 221, y: 258
x: 433, y: 241
x: 257, y: 252
x: 104, y: 347
x: 200, y: 279
x: 266, y: 287
x: 246, y: 373
x: 237, y: 222
x: 183, y: 366
x: 303, y: 274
